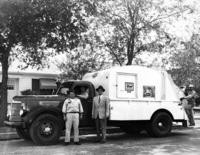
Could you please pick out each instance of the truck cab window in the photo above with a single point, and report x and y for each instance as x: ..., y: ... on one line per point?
x: 82, y: 92
x: 64, y: 91
x: 64, y: 88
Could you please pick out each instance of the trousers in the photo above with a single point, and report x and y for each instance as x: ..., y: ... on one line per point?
x: 190, y: 115
x: 72, y: 120
x: 101, y: 127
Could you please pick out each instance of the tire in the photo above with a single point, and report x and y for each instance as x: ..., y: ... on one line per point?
x: 23, y: 133
x: 160, y: 125
x: 52, y: 126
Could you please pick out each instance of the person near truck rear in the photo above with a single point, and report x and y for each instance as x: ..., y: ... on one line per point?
x: 190, y: 96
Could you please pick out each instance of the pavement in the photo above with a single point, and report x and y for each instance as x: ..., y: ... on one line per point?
x: 8, y: 133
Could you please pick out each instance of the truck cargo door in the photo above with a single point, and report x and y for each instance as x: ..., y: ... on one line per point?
x: 126, y: 85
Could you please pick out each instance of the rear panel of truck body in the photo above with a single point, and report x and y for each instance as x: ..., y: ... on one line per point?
x: 136, y: 92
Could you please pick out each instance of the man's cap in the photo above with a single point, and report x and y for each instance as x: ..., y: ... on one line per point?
x: 100, y: 87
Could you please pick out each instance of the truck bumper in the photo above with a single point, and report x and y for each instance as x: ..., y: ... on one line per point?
x: 14, y: 124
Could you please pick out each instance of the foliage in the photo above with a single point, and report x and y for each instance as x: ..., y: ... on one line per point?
x: 120, y: 30
x: 37, y: 25
x: 81, y: 61
x: 185, y: 63
x: 30, y: 27
x: 129, y: 27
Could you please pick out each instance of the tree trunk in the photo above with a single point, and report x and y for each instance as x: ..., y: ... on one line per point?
x: 3, y: 92
x: 130, y: 59
x: 130, y: 53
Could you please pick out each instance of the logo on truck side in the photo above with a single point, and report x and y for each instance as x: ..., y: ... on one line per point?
x: 129, y: 87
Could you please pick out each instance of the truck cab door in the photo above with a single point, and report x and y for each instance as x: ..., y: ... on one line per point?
x: 86, y: 104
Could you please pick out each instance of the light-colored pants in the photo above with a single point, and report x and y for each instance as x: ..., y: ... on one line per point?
x: 72, y: 120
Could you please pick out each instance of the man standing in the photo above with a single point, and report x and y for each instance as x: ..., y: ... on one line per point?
x: 72, y: 110
x: 190, y: 96
x: 100, y: 112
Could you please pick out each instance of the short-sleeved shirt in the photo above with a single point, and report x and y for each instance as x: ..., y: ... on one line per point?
x: 72, y: 105
x: 191, y: 97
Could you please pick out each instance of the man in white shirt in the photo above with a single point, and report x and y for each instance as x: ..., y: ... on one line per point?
x: 100, y: 112
x: 72, y: 109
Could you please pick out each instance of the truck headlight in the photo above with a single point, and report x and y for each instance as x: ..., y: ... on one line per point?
x: 21, y: 112
x: 24, y: 108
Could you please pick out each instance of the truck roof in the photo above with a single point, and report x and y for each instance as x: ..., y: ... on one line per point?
x: 76, y: 81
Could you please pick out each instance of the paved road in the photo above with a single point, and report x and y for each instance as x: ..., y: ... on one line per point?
x: 182, y: 142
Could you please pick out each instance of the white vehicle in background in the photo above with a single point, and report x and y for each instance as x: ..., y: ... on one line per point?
x: 140, y: 98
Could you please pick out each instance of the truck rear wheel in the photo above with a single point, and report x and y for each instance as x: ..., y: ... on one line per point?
x: 160, y: 125
x: 45, y: 130
x: 23, y: 133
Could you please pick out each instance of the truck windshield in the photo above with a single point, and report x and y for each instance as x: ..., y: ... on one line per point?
x: 64, y: 88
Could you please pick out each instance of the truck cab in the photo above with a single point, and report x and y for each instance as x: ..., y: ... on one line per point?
x: 40, y: 118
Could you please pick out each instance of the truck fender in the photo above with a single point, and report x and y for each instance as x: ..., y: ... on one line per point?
x: 162, y: 110
x: 36, y: 112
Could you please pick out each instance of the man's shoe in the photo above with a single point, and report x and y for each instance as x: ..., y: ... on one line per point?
x: 77, y: 143
x: 66, y: 143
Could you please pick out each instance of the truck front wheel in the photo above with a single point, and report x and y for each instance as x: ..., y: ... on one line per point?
x: 160, y: 125
x: 45, y: 130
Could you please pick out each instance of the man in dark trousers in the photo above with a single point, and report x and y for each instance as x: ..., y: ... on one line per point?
x: 100, y: 112
x: 190, y: 96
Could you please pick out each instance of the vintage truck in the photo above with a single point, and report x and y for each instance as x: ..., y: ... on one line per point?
x: 141, y: 98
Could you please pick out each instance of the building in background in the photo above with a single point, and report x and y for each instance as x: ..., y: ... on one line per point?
x: 30, y: 83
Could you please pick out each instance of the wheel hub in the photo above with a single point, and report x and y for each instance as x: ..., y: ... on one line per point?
x: 46, y: 129
x: 160, y: 124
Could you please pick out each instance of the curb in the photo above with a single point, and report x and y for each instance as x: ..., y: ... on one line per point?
x: 9, y: 136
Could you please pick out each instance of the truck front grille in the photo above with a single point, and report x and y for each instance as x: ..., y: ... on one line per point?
x: 14, y: 112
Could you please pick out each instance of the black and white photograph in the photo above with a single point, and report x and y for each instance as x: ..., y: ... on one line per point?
x: 99, y: 77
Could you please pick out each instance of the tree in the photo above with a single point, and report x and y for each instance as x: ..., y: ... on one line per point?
x: 185, y: 62
x: 31, y: 27
x: 83, y: 59
x: 129, y: 27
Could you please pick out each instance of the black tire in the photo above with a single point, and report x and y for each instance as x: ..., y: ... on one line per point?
x: 160, y: 125
x: 52, y: 126
x: 23, y: 133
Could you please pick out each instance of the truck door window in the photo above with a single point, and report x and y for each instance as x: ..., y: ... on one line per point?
x: 82, y: 91
x: 64, y: 88
x: 64, y: 91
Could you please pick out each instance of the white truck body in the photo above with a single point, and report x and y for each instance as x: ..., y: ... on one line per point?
x: 137, y: 92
